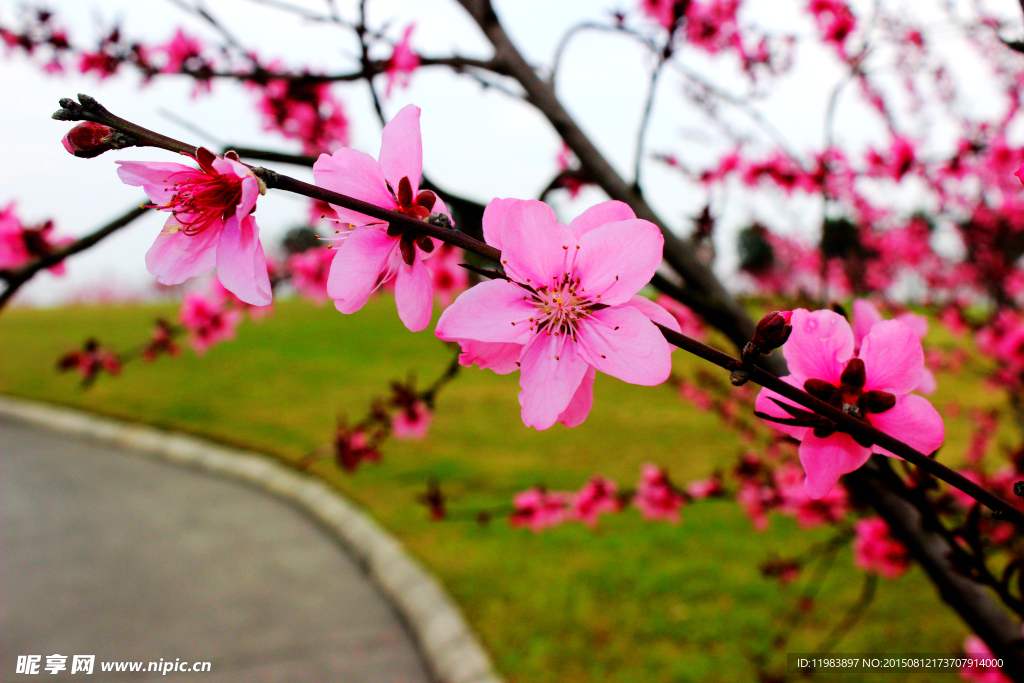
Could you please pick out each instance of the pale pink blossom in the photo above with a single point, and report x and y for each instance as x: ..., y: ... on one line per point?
x: 808, y: 512
x: 211, y: 222
x: 309, y: 271
x: 402, y: 63
x: 874, y: 385
x: 656, y: 497
x: 449, y: 278
x: 20, y: 244
x: 538, y: 509
x: 412, y: 421
x: 568, y: 309
x: 875, y: 550
x: 690, y: 323
x: 180, y: 49
x: 374, y: 252
x: 705, y: 488
x: 598, y: 496
x: 208, y: 322
x: 977, y: 650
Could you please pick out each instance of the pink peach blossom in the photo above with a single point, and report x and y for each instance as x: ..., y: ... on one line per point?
x: 208, y: 322
x: 568, y: 309
x: 179, y: 50
x: 210, y: 225
x: 402, y: 63
x: 595, y: 498
x: 538, y: 509
x: 309, y: 272
x: 875, y: 385
x: 656, y: 497
x: 411, y: 422
x: 374, y: 252
x: 976, y: 648
x: 875, y: 550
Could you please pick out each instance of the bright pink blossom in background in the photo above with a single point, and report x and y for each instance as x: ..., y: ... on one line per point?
x: 690, y: 324
x: 373, y: 252
x: 598, y: 496
x: 569, y: 309
x: 179, y: 50
x: 449, y: 278
x: 411, y: 422
x: 309, y: 271
x: 20, y: 244
x: 820, y: 355
x: 538, y: 509
x: 208, y: 321
x: 402, y: 63
x: 211, y: 223
x: 875, y: 550
x: 303, y: 110
x: 976, y: 648
x: 656, y: 497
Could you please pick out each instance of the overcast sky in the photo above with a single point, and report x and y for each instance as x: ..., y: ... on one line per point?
x: 478, y: 143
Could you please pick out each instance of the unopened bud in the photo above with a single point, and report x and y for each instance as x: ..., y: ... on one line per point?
x: 773, y: 331
x: 88, y: 140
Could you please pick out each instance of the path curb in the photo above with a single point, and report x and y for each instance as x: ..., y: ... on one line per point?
x: 450, y: 649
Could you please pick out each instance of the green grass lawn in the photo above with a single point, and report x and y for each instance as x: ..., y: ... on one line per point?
x: 629, y: 601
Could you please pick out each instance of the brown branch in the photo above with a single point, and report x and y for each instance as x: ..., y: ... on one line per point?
x: 16, y: 277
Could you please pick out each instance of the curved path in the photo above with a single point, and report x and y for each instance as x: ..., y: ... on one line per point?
x: 129, y: 559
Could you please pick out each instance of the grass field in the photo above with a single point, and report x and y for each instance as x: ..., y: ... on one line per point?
x: 629, y: 601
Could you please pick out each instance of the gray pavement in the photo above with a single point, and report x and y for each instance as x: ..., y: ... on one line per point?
x: 127, y: 559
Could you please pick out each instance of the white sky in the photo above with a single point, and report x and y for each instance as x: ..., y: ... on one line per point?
x: 477, y: 143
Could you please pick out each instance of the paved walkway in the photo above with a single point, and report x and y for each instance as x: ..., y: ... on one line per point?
x: 129, y: 559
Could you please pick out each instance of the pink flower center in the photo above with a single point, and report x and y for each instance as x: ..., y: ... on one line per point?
x: 201, y: 199
x: 849, y: 395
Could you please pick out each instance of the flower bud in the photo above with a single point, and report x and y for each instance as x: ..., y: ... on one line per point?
x: 773, y: 331
x: 88, y: 140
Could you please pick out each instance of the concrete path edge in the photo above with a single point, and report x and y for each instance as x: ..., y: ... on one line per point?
x: 450, y: 648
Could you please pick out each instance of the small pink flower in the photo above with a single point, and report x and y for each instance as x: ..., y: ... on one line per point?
x: 211, y: 222
x: 449, y: 278
x: 402, y: 63
x: 875, y: 550
x: 20, y: 244
x: 208, y: 322
x: 569, y: 308
x: 411, y: 422
x: 538, y: 509
x: 180, y: 50
x: 690, y: 323
x: 977, y: 650
x: 374, y: 252
x: 705, y: 488
x: 309, y: 272
x: 874, y: 385
x: 809, y: 512
x: 1018, y: 173
x: 595, y: 498
x: 656, y: 497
